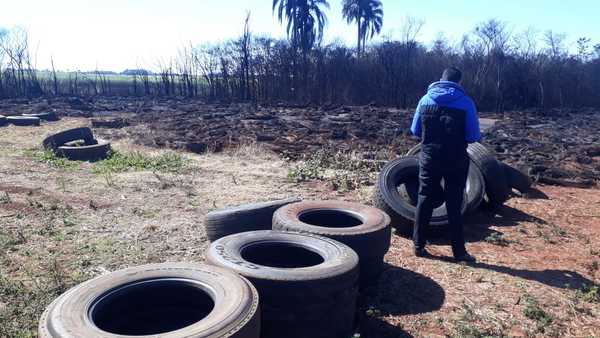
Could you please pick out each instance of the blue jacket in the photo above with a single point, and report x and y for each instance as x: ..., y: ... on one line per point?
x: 449, y: 94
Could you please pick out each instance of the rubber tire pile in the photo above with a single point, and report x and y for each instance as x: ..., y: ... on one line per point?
x: 489, y: 184
x: 77, y: 144
x: 28, y: 119
x: 299, y: 277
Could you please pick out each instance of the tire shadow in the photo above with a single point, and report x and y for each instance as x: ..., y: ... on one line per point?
x: 397, y: 292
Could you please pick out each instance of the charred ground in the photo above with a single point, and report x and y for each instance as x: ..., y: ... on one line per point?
x: 64, y: 222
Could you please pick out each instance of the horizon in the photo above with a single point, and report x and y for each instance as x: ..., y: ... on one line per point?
x: 135, y: 34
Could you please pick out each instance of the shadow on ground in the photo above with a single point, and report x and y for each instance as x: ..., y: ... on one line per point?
x: 563, y: 279
x: 477, y: 225
x: 397, y: 292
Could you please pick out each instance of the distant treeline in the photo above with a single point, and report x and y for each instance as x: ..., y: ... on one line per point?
x: 502, y: 70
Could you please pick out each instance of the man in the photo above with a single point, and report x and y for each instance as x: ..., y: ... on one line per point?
x: 446, y: 121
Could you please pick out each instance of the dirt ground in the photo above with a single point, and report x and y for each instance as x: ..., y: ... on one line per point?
x: 62, y: 223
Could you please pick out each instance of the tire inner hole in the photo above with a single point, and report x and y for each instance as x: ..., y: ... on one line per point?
x: 281, y: 255
x: 151, y: 307
x: 330, y: 218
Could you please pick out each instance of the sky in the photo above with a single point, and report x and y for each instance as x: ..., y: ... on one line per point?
x: 120, y: 34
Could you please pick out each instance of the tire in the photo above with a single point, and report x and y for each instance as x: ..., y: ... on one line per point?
x: 402, y: 210
x: 52, y: 142
x: 516, y: 178
x: 363, y: 228
x: 46, y: 116
x: 308, y: 284
x: 247, y: 217
x: 92, y: 152
x: 496, y: 184
x: 3, y: 120
x: 23, y: 120
x: 497, y: 189
x: 171, y: 300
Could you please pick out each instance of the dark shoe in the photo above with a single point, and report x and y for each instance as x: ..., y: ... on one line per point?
x: 465, y: 257
x: 421, y: 252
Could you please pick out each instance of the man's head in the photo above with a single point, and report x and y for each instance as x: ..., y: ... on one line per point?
x: 452, y: 74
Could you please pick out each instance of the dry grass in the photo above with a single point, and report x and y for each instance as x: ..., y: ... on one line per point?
x: 61, y: 225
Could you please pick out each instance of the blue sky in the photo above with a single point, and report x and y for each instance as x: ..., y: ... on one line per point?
x: 119, y: 34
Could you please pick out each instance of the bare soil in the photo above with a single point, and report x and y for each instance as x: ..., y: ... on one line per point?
x: 538, y: 272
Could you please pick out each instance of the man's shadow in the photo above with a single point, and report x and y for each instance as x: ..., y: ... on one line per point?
x: 477, y: 225
x: 562, y: 279
x: 396, y: 292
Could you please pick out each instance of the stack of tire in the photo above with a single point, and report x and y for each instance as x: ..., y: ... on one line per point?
x: 489, y: 183
x: 77, y: 144
x: 286, y: 268
x: 28, y: 119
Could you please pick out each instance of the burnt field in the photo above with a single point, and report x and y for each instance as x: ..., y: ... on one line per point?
x: 64, y: 222
x: 559, y: 147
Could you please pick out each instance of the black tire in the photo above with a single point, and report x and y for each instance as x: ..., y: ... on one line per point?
x: 92, y: 152
x: 363, y: 228
x: 402, y: 210
x: 52, y: 142
x: 496, y: 185
x: 46, y: 116
x: 516, y: 178
x: 308, y: 284
x: 247, y: 217
x: 497, y: 188
x: 23, y: 120
x: 3, y: 120
x: 171, y: 300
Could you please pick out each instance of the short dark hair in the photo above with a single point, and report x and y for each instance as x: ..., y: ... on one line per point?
x: 452, y: 74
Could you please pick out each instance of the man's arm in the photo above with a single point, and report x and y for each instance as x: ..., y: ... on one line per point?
x: 472, y: 132
x: 415, y: 128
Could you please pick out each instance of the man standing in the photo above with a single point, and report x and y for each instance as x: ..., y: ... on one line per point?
x: 446, y: 121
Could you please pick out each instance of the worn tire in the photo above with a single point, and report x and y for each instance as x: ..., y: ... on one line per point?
x: 3, y: 120
x: 363, y: 228
x: 402, y: 210
x: 23, y: 120
x: 496, y: 185
x: 93, y: 152
x: 307, y: 284
x: 516, y: 178
x: 247, y: 217
x: 52, y: 142
x: 46, y: 116
x: 497, y: 188
x: 171, y: 300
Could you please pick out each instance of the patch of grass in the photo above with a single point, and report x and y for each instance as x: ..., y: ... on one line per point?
x: 50, y: 158
x: 344, y: 170
x: 5, y: 198
x: 466, y: 327
x: 534, y: 311
x: 23, y: 301
x: 588, y: 294
x: 497, y: 238
x: 137, y: 161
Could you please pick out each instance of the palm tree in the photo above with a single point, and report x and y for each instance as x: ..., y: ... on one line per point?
x: 305, y: 21
x: 368, y: 15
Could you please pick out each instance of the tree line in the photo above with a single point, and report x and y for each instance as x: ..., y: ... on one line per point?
x: 503, y: 69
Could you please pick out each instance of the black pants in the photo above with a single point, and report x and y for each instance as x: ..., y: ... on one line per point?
x: 453, y: 167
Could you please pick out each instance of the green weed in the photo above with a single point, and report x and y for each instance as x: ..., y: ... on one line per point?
x: 50, y: 158
x: 137, y: 161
